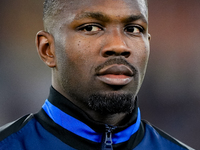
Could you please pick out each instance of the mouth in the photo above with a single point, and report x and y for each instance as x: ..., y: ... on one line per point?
x: 116, y: 75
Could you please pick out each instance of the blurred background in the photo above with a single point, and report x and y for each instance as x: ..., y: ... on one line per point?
x: 170, y: 95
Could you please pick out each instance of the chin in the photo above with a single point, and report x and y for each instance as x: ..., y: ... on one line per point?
x: 112, y: 102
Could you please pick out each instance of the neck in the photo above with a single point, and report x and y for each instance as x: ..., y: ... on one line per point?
x: 114, y: 119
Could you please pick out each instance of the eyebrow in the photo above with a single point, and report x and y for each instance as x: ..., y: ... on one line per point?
x: 133, y: 18
x: 103, y: 17
x: 96, y: 15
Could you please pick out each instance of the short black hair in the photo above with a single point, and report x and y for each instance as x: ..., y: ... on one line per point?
x: 49, y: 6
x: 52, y: 8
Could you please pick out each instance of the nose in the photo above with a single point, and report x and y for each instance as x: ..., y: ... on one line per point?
x: 115, y: 45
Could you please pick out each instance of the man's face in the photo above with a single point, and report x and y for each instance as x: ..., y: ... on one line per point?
x: 102, y: 49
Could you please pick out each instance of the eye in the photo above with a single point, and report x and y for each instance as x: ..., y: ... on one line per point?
x: 90, y: 28
x: 133, y: 29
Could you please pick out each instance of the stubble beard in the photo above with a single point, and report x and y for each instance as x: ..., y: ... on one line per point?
x: 108, y: 104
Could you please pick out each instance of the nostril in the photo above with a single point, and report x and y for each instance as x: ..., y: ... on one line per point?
x: 125, y: 54
x: 109, y: 53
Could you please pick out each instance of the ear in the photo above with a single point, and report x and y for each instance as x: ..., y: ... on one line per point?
x: 45, y: 47
x: 149, y: 36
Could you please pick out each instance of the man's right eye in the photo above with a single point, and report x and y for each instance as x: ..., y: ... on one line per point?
x: 90, y: 28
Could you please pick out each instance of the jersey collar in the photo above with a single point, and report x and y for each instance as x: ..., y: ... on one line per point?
x: 73, y: 119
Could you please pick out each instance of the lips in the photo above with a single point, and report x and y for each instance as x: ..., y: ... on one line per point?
x: 116, y: 75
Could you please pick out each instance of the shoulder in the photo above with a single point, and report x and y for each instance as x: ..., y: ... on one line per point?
x: 161, y: 140
x: 13, y: 127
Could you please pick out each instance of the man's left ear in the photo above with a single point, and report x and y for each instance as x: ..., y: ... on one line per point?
x: 45, y: 47
x: 149, y: 36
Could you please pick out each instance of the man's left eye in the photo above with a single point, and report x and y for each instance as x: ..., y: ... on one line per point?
x: 90, y: 28
x: 133, y: 29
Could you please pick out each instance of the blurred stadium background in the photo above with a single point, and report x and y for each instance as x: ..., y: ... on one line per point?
x: 170, y: 95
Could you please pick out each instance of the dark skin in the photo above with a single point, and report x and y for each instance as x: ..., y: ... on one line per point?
x: 86, y: 36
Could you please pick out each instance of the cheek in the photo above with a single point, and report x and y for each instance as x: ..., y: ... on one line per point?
x: 140, y: 52
x: 140, y: 56
x: 80, y: 56
x: 144, y: 57
x: 78, y: 48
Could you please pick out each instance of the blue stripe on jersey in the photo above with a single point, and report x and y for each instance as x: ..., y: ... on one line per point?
x: 79, y: 128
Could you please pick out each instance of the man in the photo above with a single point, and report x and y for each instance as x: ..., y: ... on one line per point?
x: 98, y: 52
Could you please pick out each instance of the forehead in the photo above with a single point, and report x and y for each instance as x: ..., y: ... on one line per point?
x: 114, y: 8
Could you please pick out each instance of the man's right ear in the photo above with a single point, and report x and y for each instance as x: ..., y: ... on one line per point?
x: 45, y: 47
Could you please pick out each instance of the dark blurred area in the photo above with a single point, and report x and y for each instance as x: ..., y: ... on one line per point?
x: 170, y: 95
